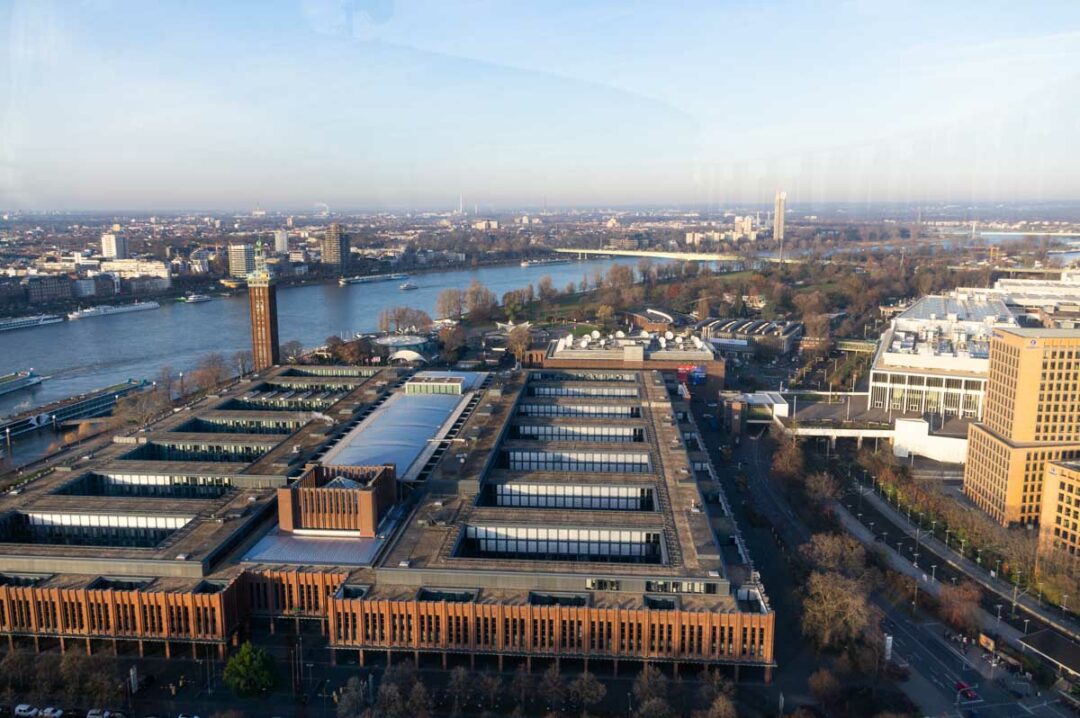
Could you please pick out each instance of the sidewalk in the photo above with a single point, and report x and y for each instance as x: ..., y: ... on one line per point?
x: 987, y: 622
x: 1052, y: 616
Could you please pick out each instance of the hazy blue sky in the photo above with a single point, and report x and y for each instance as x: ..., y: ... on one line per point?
x: 390, y: 103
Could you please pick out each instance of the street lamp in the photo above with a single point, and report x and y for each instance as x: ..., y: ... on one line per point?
x: 181, y: 385
x: 1026, y: 621
x: 933, y: 572
x: 1064, y: 601
x: 999, y: 614
x: 947, y: 532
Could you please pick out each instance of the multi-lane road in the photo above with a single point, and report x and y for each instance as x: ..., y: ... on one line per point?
x: 936, y: 664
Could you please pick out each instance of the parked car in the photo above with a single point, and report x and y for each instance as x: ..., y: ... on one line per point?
x: 52, y: 712
x: 965, y: 690
x: 98, y: 713
x: 25, y: 710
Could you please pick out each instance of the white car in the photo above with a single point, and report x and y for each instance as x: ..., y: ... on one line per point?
x: 52, y: 712
x: 26, y: 711
x: 98, y: 713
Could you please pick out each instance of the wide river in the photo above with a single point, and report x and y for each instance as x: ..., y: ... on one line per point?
x: 94, y: 353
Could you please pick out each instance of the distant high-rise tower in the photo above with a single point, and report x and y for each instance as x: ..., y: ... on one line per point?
x: 779, y: 207
x: 335, y: 248
x: 114, y: 246
x: 281, y: 241
x: 241, y: 260
x: 262, y: 301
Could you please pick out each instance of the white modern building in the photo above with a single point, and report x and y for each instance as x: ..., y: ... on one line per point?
x: 241, y: 260
x: 281, y: 241
x: 114, y: 246
x: 935, y: 356
x: 131, y: 268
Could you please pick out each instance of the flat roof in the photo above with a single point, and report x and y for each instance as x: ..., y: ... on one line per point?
x: 966, y: 309
x: 282, y: 547
x: 403, y: 429
x: 1056, y: 648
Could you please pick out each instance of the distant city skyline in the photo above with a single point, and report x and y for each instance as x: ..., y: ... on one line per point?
x: 373, y: 104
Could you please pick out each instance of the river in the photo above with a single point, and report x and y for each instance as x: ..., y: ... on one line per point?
x: 93, y: 353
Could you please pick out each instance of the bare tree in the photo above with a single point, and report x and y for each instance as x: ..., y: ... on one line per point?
x: 586, y: 691
x: 835, y: 609
x: 459, y: 688
x: 521, y: 686
x: 604, y: 314
x: 167, y: 381
x: 211, y: 371
x: 649, y: 684
x: 824, y: 686
x: 959, y: 605
x: 243, y: 360
x: 479, y: 302
x: 838, y: 553
x: 489, y: 686
x: 450, y: 303
x: 545, y: 289
x: 553, y: 687
x: 292, y: 350
x: 518, y: 341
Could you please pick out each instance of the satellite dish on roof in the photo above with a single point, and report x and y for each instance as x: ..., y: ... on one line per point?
x: 697, y: 341
x: 678, y: 340
x: 645, y: 334
x: 595, y: 334
x: 584, y: 343
x: 620, y: 334
x: 663, y: 343
x: 668, y: 335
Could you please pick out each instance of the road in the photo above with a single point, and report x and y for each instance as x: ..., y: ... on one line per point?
x: 934, y: 663
x: 1030, y: 613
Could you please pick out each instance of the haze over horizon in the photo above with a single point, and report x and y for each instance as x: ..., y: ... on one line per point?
x: 378, y: 104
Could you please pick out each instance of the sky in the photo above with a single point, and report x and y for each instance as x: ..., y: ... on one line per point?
x: 392, y: 104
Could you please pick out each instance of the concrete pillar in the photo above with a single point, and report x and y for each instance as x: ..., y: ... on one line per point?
x: 500, y: 663
x: 168, y: 650
x: 37, y: 644
x: 416, y: 658
x: 472, y: 662
x: 586, y: 664
x: 333, y: 657
x: 142, y: 648
x: 115, y: 647
x: 675, y: 670
x: 221, y: 651
x: 194, y: 652
x: 768, y: 674
x: 736, y: 674
x: 272, y: 626
x: 615, y: 668
x: 360, y: 658
x: 444, y: 660
x: 858, y: 443
x: 63, y: 648
x: 11, y: 642
x: 89, y: 648
x: 296, y: 625
x: 528, y: 664
x: 323, y: 626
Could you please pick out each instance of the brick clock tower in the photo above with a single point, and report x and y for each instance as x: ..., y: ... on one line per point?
x: 262, y: 301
